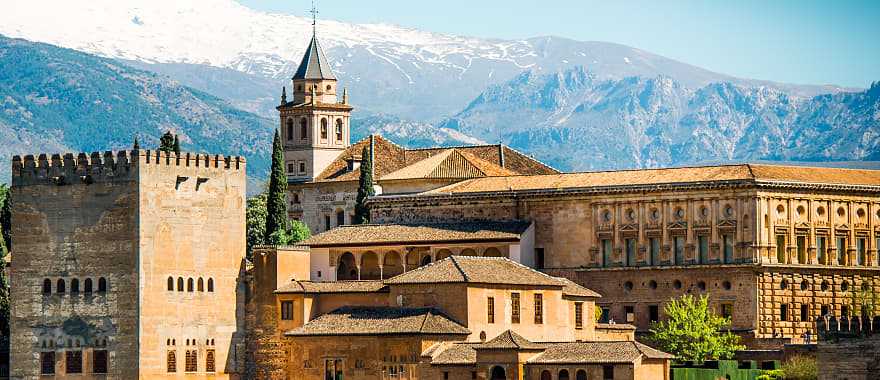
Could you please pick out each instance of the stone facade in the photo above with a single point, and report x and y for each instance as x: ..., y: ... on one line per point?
x: 124, y: 258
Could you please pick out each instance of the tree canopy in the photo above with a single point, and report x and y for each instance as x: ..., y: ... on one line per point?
x: 365, y: 188
x: 693, y: 332
x: 256, y: 222
x: 166, y: 142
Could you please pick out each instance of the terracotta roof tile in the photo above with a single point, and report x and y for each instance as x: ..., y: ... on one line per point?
x: 451, y: 164
x: 509, y: 340
x: 333, y: 287
x: 456, y: 354
x: 575, y: 290
x: 371, y: 234
x: 480, y: 270
x: 352, y: 320
x: 596, y: 352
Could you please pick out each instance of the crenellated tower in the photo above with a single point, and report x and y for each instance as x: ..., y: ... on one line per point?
x: 315, y: 123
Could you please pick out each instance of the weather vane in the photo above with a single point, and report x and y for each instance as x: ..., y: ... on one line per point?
x: 314, y: 12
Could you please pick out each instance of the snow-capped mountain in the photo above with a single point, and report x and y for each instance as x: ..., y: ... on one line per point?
x: 388, y: 69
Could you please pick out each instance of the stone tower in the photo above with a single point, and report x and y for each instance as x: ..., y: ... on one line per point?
x: 315, y: 124
x: 127, y: 266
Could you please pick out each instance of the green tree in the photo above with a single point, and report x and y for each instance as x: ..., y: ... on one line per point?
x: 800, y: 367
x: 5, y: 218
x: 276, y: 199
x: 693, y: 332
x: 293, y: 232
x: 166, y: 142
x: 256, y: 223
x: 866, y: 299
x: 365, y: 189
x: 176, y: 146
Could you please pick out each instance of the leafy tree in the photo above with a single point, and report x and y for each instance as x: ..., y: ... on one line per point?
x: 5, y: 217
x: 166, y: 142
x: 276, y: 199
x: 256, y: 223
x: 597, y: 314
x: 693, y: 332
x: 866, y: 299
x: 293, y: 232
x: 365, y: 189
x: 800, y: 367
x: 176, y: 146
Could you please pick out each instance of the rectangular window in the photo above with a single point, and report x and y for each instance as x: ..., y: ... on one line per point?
x: 47, y: 363
x: 825, y: 310
x: 192, y: 361
x: 629, y: 313
x: 860, y: 251
x: 302, y: 168
x: 678, y: 246
x: 780, y: 248
x: 703, y: 249
x: 727, y: 310
x: 210, y: 365
x: 539, y: 309
x: 841, y: 251
x: 99, y: 361
x: 606, y: 314
x: 654, y: 313
x: 73, y: 361
x: 783, y: 312
x: 333, y: 369
x: 654, y: 257
x: 539, y: 258
x: 340, y: 218
x: 822, y: 249
x: 578, y: 315
x: 805, y: 312
x: 172, y: 362
x: 607, y: 372
x: 606, y: 252
x: 801, y: 242
x: 630, y: 252
x: 844, y: 311
x: 286, y: 310
x: 490, y: 310
x: 326, y: 222
x: 727, y: 241
x: 514, y: 307
x: 290, y: 167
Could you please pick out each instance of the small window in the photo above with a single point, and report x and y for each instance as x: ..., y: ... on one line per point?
x: 209, y: 362
x: 628, y: 286
x: 676, y: 284
x: 302, y: 168
x: 74, y: 285
x: 47, y: 286
x: 291, y: 167
x: 514, y: 307
x: 805, y: 312
x: 539, y: 309
x: 303, y: 129
x: 210, y: 284
x: 629, y: 313
x: 47, y: 363
x: 180, y: 284
x: 726, y: 285
x: 102, y: 285
x: 87, y: 285
x: 340, y: 218
x: 338, y: 129
x: 327, y: 222
x: 192, y: 361
x: 286, y: 310
x: 171, y: 362
x: 654, y: 313
x: 726, y: 310
x: 190, y: 285
x: 607, y: 372
x: 289, y: 129
x: 490, y: 310
x: 60, y: 288
x: 323, y: 128
x: 783, y: 312
x: 578, y: 315
x: 201, y: 285
x: 99, y: 361
x: 170, y: 284
x: 73, y: 361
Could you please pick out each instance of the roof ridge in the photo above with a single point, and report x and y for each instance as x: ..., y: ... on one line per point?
x: 455, y: 263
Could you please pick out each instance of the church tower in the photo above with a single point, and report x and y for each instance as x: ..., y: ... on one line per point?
x: 315, y: 123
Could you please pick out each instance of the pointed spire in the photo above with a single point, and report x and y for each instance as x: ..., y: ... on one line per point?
x: 345, y: 95
x: 283, y: 95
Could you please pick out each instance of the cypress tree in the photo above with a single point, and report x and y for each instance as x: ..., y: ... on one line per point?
x: 137, y: 145
x: 176, y: 146
x: 5, y: 217
x: 365, y: 188
x: 166, y: 142
x: 276, y: 207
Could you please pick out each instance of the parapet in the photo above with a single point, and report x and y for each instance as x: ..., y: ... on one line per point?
x: 110, y: 166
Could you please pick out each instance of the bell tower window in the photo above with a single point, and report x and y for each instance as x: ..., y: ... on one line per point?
x: 289, y: 129
x: 338, y: 129
x: 323, y: 128
x: 303, y: 128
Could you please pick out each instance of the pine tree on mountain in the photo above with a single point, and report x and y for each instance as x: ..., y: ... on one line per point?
x: 137, y: 145
x: 276, y: 205
x: 365, y: 189
x: 176, y: 146
x: 166, y: 142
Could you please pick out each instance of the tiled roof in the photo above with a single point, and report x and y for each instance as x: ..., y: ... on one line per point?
x: 509, y: 340
x: 457, y: 354
x: 451, y: 164
x: 390, y: 157
x: 615, y: 326
x: 351, y: 320
x: 575, y: 290
x: 371, y: 234
x: 314, y: 64
x: 596, y: 353
x: 643, y: 177
x: 333, y: 287
x: 471, y: 269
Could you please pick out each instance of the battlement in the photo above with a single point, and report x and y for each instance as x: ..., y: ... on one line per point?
x: 85, y: 168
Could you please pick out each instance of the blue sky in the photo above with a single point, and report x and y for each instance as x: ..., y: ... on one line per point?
x: 806, y: 41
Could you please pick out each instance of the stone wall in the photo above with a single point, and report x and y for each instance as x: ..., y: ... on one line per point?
x: 851, y: 359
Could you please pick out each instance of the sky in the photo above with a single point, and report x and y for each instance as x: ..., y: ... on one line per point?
x: 803, y: 41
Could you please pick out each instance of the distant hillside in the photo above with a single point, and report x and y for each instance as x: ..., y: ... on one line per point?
x: 60, y: 100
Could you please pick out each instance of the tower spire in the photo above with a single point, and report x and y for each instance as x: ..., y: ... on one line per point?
x: 314, y: 12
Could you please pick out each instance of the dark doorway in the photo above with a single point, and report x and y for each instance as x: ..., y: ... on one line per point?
x: 346, y: 268
x: 498, y: 374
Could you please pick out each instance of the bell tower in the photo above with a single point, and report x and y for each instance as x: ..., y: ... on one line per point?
x: 315, y: 126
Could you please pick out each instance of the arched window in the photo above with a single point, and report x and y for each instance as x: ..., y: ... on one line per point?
x: 74, y: 285
x: 338, y: 129
x: 563, y: 374
x: 60, y: 287
x: 170, y: 284
x: 87, y: 285
x: 210, y: 284
x: 180, y: 284
x: 102, y: 285
x: 303, y: 128
x: 191, y: 361
x: 545, y: 375
x: 323, y: 128
x: 189, y: 285
x: 289, y: 129
x: 47, y: 286
x: 201, y: 285
x: 581, y: 375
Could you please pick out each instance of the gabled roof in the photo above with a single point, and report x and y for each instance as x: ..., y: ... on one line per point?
x: 450, y: 163
x: 479, y: 270
x: 352, y: 320
x: 509, y: 340
x: 314, y: 64
x: 575, y: 290
x: 309, y: 287
x: 416, y: 233
x: 596, y: 353
x: 390, y: 157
